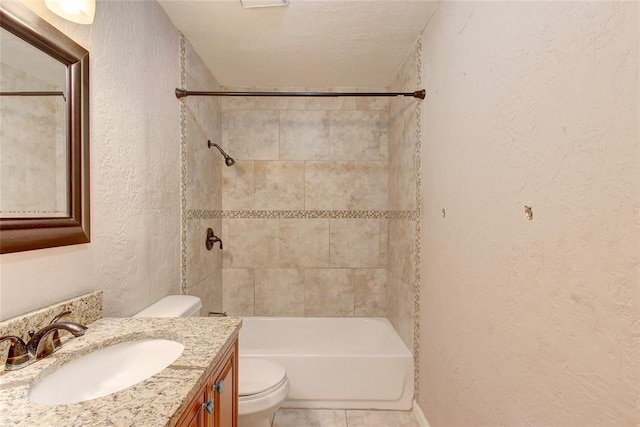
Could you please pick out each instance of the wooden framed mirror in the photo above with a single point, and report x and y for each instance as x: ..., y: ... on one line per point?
x: 25, y: 177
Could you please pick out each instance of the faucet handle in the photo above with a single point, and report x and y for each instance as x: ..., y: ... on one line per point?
x: 55, y: 319
x: 41, y: 344
x: 56, y: 342
x: 18, y: 356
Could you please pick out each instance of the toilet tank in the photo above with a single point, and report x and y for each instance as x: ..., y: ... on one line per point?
x: 173, y: 306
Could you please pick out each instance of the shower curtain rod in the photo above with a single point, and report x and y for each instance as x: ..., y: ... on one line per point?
x: 31, y: 93
x: 182, y: 93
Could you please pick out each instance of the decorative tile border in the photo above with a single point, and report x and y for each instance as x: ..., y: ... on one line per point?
x: 416, y: 304
x: 302, y: 214
x: 198, y: 214
x: 404, y: 215
x: 194, y: 214
x: 183, y: 170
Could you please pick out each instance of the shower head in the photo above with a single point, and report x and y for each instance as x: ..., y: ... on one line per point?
x: 227, y: 159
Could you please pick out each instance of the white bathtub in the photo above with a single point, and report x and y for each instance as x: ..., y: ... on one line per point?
x: 341, y: 363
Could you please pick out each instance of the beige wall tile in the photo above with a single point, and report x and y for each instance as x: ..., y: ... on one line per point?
x: 401, y: 247
x: 204, y: 290
x: 203, y: 267
x: 402, y: 181
x: 304, y: 135
x: 402, y: 156
x: 346, y: 185
x: 226, y: 253
x: 333, y: 103
x: 253, y: 243
x: 203, y: 166
x: 400, y: 307
x: 238, y: 291
x: 357, y: 135
x: 238, y: 102
x: 279, y: 292
x: 370, y: 292
x: 280, y: 103
x: 354, y: 242
x: 304, y: 243
x: 328, y: 292
x: 198, y: 75
x: 238, y: 188
x: 279, y: 185
x: 384, y: 236
x: 373, y: 103
x: 253, y: 135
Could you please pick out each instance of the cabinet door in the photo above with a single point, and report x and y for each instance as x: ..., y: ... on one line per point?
x: 195, y: 415
x: 225, y: 393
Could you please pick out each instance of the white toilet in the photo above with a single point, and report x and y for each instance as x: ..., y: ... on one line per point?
x: 262, y: 384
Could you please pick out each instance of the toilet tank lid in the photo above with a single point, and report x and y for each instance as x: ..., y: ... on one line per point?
x: 173, y: 306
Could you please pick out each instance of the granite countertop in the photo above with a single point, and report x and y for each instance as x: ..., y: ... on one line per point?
x: 157, y: 401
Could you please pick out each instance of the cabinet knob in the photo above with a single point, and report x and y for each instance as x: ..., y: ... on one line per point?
x: 208, y: 406
x: 219, y: 387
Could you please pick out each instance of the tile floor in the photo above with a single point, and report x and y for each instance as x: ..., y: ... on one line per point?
x: 342, y: 418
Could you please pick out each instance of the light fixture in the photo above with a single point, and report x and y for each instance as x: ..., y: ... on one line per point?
x: 250, y: 4
x: 78, y: 11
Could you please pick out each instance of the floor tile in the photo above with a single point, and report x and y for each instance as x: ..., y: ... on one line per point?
x: 381, y: 419
x: 310, y: 418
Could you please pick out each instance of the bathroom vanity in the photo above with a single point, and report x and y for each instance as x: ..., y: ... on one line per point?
x: 215, y: 404
x: 203, y: 378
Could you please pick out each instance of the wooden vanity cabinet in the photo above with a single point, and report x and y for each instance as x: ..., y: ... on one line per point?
x: 219, y: 393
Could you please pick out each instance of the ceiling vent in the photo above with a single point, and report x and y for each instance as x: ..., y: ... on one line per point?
x: 251, y: 4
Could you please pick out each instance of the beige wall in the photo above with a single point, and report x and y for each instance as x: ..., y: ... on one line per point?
x: 530, y: 322
x: 135, y: 172
x: 201, y: 177
x: 304, y: 207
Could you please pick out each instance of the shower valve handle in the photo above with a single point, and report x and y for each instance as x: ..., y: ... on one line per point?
x: 212, y: 239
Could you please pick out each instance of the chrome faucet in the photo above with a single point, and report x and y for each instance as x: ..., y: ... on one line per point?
x: 42, y: 343
x: 18, y: 356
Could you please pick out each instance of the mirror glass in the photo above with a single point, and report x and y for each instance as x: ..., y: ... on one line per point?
x: 33, y: 132
x: 44, y: 134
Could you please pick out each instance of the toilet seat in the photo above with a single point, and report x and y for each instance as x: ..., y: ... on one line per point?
x: 262, y: 387
x: 259, y: 377
x: 267, y: 394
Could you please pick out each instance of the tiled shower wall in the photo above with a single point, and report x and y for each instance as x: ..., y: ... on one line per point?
x: 37, y: 185
x: 403, y: 296
x: 305, y: 206
x: 201, y: 196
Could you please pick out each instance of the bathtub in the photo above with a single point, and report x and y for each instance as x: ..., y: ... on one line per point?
x: 336, y: 363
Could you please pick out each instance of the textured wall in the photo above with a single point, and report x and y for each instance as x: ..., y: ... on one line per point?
x: 530, y: 322
x: 135, y: 206
x: 304, y: 207
x: 202, y: 182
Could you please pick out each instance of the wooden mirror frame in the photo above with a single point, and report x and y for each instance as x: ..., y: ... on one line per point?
x: 23, y: 234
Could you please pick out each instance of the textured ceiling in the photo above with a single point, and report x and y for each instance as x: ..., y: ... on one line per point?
x: 322, y: 43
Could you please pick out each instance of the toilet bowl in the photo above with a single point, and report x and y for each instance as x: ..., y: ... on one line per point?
x: 262, y: 384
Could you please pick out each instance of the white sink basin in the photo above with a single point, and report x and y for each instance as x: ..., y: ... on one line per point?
x: 106, y: 371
